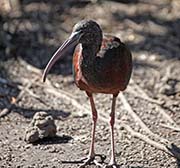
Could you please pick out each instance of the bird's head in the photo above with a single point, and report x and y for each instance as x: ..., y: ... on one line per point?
x: 86, y: 32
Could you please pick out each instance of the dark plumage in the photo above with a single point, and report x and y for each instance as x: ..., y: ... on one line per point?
x: 100, y: 65
x: 105, y: 71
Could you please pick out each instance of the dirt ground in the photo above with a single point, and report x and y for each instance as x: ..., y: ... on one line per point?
x: 29, y: 35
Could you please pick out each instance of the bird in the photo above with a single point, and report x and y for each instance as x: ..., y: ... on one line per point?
x: 101, y: 64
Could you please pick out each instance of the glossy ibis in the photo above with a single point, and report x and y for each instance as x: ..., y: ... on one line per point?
x: 101, y: 64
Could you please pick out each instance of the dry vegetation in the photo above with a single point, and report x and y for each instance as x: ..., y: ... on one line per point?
x: 148, y: 112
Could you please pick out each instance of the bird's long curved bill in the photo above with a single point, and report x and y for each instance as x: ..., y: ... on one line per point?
x: 69, y: 44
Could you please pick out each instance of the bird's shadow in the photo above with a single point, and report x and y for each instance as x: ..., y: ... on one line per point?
x: 176, y: 152
x: 100, y: 159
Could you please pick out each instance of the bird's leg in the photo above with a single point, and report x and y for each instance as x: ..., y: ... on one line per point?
x: 94, y: 118
x: 91, y: 157
x: 112, y: 162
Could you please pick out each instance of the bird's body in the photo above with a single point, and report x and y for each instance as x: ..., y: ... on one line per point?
x: 107, y: 71
x: 100, y: 65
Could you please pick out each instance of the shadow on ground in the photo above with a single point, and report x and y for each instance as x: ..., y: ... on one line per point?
x: 54, y: 140
x: 38, y: 30
x: 35, y: 31
x: 160, y: 36
x: 29, y: 113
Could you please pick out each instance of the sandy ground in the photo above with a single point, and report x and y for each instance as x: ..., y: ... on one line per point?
x: 30, y: 35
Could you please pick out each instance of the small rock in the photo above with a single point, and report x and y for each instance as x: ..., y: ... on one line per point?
x: 41, y: 126
x: 27, y: 146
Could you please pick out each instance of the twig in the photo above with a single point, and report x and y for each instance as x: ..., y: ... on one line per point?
x: 5, y: 111
x: 166, y: 116
x: 170, y: 127
x: 138, y: 120
x: 65, y: 95
x: 169, y: 148
x: 74, y: 102
x: 8, y: 109
x: 50, y: 88
x: 142, y: 94
x: 157, y: 103
x: 30, y: 67
x: 30, y: 92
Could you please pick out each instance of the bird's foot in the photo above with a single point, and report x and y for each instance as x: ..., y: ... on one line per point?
x: 111, y: 165
x: 92, y: 160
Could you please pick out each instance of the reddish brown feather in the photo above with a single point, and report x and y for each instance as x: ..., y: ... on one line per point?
x: 118, y: 74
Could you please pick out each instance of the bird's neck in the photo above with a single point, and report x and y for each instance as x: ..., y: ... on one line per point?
x: 89, y: 52
x: 87, y: 62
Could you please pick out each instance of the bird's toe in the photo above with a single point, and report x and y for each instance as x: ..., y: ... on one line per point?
x: 92, y: 160
x: 111, y: 166
x: 86, y: 161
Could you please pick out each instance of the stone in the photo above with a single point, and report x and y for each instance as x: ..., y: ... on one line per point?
x: 41, y: 126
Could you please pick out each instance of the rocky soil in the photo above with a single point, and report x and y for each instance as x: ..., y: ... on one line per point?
x: 29, y: 35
